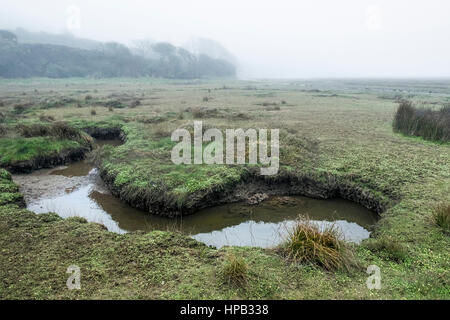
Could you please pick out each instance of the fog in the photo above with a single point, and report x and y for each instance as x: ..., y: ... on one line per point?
x: 271, y: 39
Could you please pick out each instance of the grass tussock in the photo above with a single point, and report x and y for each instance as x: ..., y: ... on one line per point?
x: 426, y: 123
x: 388, y: 247
x: 200, y: 113
x: 161, y: 130
x: 46, y: 118
x: 235, y: 270
x: 58, y: 129
x: 307, y: 243
x: 441, y: 216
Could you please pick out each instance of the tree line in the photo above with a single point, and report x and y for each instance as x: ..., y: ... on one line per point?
x: 23, y: 60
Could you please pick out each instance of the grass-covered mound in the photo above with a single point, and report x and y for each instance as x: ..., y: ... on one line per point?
x: 9, y: 191
x: 142, y: 173
x: 33, y: 146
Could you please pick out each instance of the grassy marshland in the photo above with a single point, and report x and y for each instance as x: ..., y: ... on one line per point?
x: 334, y: 135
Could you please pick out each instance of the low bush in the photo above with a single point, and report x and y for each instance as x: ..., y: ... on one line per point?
x: 135, y: 103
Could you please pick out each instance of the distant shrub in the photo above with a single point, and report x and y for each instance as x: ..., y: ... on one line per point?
x: 153, y: 120
x: 388, y: 247
x: 283, y: 102
x: 135, y: 103
x: 268, y: 104
x: 114, y: 103
x: 111, y: 109
x: 427, y: 123
x: 276, y: 108
x: 20, y: 108
x: 205, y: 99
x: 88, y: 97
x: 204, y: 112
x: 2, y: 117
x: 2, y: 104
x: 198, y: 113
x: 441, y: 216
x: 52, y: 104
x: 234, y: 270
x: 93, y: 112
x: 240, y: 116
x: 306, y: 243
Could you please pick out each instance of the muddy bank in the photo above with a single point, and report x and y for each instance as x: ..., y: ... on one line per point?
x: 48, y: 161
x: 68, y: 155
x: 252, y: 189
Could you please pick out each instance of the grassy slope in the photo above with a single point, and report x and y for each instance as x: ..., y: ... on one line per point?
x: 348, y: 135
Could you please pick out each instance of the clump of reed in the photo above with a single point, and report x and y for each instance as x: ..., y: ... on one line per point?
x: 234, y: 270
x: 441, y: 216
x: 306, y: 243
x: 424, y: 122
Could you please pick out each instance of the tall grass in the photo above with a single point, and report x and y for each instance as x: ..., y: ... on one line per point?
x: 234, y: 270
x: 306, y: 243
x: 441, y: 216
x: 427, y: 123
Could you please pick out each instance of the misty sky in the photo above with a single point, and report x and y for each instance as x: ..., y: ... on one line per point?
x: 271, y: 39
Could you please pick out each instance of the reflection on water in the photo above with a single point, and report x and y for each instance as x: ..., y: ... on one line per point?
x: 77, y: 190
